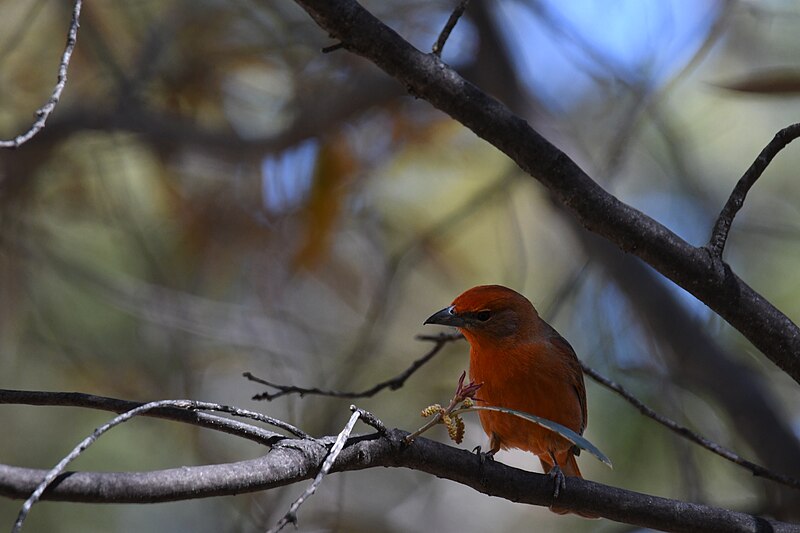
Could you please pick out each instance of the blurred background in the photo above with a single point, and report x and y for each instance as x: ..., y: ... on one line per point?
x: 213, y: 195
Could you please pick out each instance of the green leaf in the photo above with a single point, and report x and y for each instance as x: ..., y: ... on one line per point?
x: 565, y: 432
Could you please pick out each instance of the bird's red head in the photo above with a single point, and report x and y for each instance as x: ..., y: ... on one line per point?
x: 490, y: 312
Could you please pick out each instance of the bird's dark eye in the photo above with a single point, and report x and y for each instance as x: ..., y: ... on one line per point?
x: 484, y: 315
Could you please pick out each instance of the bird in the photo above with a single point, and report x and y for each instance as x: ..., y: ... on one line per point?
x: 523, y: 364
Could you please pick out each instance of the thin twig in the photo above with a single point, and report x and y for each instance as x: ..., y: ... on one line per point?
x: 43, y: 112
x: 401, y: 262
x: 246, y: 413
x: 687, y: 433
x: 291, y: 514
x: 393, y: 384
x: 332, y: 48
x: 723, y: 224
x: 437, y: 418
x: 370, y: 419
x: 448, y: 27
x: 463, y: 397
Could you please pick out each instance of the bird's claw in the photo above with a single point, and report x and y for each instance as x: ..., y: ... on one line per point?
x: 483, y: 456
x: 559, y: 479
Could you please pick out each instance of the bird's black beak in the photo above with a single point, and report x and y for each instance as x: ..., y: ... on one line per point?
x: 446, y: 317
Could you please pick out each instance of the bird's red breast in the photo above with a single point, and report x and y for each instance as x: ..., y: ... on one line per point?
x: 524, y: 364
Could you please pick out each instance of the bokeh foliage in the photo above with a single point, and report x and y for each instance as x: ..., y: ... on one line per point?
x: 213, y: 195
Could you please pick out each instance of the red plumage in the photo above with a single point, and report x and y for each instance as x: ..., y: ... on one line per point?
x: 524, y: 364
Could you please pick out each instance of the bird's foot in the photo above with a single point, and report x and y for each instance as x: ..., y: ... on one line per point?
x: 484, y: 456
x: 559, y: 479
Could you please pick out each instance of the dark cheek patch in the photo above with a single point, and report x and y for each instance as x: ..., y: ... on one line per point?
x: 506, y: 324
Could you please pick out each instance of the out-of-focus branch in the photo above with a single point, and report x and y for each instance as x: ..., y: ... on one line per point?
x: 693, y: 268
x: 172, y: 132
x: 401, y: 262
x: 719, y: 235
x: 43, y: 113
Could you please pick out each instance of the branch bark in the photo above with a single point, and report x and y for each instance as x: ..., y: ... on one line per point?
x: 685, y: 432
x: 394, y: 383
x: 91, y: 401
x: 719, y: 234
x: 43, y: 113
x: 701, y: 365
x: 695, y: 269
x: 296, y: 460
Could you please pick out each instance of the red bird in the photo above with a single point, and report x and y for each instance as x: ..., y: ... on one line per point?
x: 524, y: 364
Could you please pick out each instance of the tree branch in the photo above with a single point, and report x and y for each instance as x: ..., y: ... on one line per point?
x: 43, y: 113
x: 77, y: 399
x: 699, y: 364
x: 291, y: 514
x: 54, y: 472
x: 444, y: 338
x: 687, y: 433
x: 301, y: 459
x: 719, y: 235
x: 393, y: 383
x: 448, y: 27
x: 705, y: 276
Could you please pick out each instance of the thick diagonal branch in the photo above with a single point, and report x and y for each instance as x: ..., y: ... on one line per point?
x: 693, y: 268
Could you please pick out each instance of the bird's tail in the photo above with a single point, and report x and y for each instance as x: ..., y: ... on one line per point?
x: 569, y: 466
